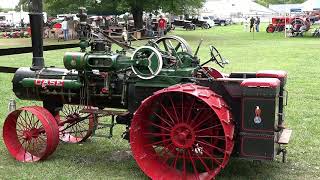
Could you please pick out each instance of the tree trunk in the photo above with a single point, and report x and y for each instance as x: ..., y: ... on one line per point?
x: 137, y: 13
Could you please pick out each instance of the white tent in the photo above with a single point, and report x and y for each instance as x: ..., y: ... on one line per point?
x: 285, y: 8
x: 311, y: 5
x: 235, y: 8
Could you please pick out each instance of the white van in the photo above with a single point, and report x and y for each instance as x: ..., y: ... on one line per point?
x: 207, y: 19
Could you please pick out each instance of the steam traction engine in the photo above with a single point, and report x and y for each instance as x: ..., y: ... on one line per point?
x: 185, y: 120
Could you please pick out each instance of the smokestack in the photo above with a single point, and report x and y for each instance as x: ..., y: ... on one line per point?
x: 36, y: 24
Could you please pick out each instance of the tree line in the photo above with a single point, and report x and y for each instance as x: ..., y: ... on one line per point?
x: 267, y: 2
x: 115, y: 7
x: 136, y: 7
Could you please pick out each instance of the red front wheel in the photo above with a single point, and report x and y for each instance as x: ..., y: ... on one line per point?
x: 29, y: 135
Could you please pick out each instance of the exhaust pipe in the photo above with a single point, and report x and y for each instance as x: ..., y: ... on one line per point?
x: 36, y: 25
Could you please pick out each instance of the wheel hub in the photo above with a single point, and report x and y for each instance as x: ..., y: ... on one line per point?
x: 29, y: 134
x: 182, y: 136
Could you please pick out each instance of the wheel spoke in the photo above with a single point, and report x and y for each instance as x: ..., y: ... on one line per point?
x: 200, y: 110
x: 216, y: 137
x: 157, y: 142
x: 178, y: 46
x: 204, y: 120
x: 182, y: 112
x: 193, y: 165
x: 174, y: 109
x: 167, y: 113
x: 211, y: 127
x: 162, y: 119
x: 165, y: 45
x: 203, y: 163
x: 219, y: 149
x: 190, y: 109
x: 156, y: 125
x: 156, y: 134
x: 211, y: 157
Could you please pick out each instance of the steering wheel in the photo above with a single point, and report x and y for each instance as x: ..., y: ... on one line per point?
x: 148, y: 62
x: 216, y: 57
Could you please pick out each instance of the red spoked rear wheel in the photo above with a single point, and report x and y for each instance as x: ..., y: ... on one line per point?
x: 28, y: 135
x: 75, y: 126
x: 182, y: 132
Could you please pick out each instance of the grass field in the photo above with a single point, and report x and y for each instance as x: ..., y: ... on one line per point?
x: 93, y: 159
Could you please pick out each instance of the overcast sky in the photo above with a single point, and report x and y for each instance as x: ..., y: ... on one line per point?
x: 8, y: 3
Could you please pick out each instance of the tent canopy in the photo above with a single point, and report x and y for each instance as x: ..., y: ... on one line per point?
x: 229, y: 7
x: 311, y: 5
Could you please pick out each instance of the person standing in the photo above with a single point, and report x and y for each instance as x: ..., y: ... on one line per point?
x: 22, y: 23
x: 252, y: 22
x: 162, y: 24
x: 64, y: 26
x: 245, y: 24
x: 149, y: 26
x: 257, y: 24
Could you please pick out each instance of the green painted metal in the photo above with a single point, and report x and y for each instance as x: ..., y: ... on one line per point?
x: 74, y: 60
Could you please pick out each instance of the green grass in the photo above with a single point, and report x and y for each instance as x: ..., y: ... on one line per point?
x: 299, y: 56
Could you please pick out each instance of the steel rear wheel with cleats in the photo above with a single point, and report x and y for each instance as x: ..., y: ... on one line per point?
x: 28, y: 135
x: 182, y: 132
x: 76, y: 126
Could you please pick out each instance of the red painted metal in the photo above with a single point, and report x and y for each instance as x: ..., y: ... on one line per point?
x: 270, y: 28
x: 182, y: 132
x: 72, y: 129
x: 261, y: 82
x: 214, y: 73
x: 28, y: 135
x: 53, y: 123
x: 272, y: 74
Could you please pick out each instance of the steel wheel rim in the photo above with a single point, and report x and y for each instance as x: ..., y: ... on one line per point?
x: 74, y: 132
x: 53, y: 123
x: 179, y: 44
x: 192, y: 150
x: 28, y: 136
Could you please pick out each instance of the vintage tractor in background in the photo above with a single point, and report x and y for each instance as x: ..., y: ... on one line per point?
x: 184, y: 120
x: 278, y: 24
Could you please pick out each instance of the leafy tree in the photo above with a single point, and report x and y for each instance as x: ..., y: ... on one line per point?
x: 267, y: 2
x: 136, y: 7
x: 24, y: 4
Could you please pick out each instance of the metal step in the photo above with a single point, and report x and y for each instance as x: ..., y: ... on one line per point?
x: 285, y: 136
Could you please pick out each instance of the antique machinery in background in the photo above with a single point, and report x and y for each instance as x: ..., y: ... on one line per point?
x: 184, y: 120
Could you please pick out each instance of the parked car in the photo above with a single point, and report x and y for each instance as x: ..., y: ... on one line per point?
x: 220, y: 21
x: 199, y: 23
x: 188, y: 25
x: 208, y: 20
